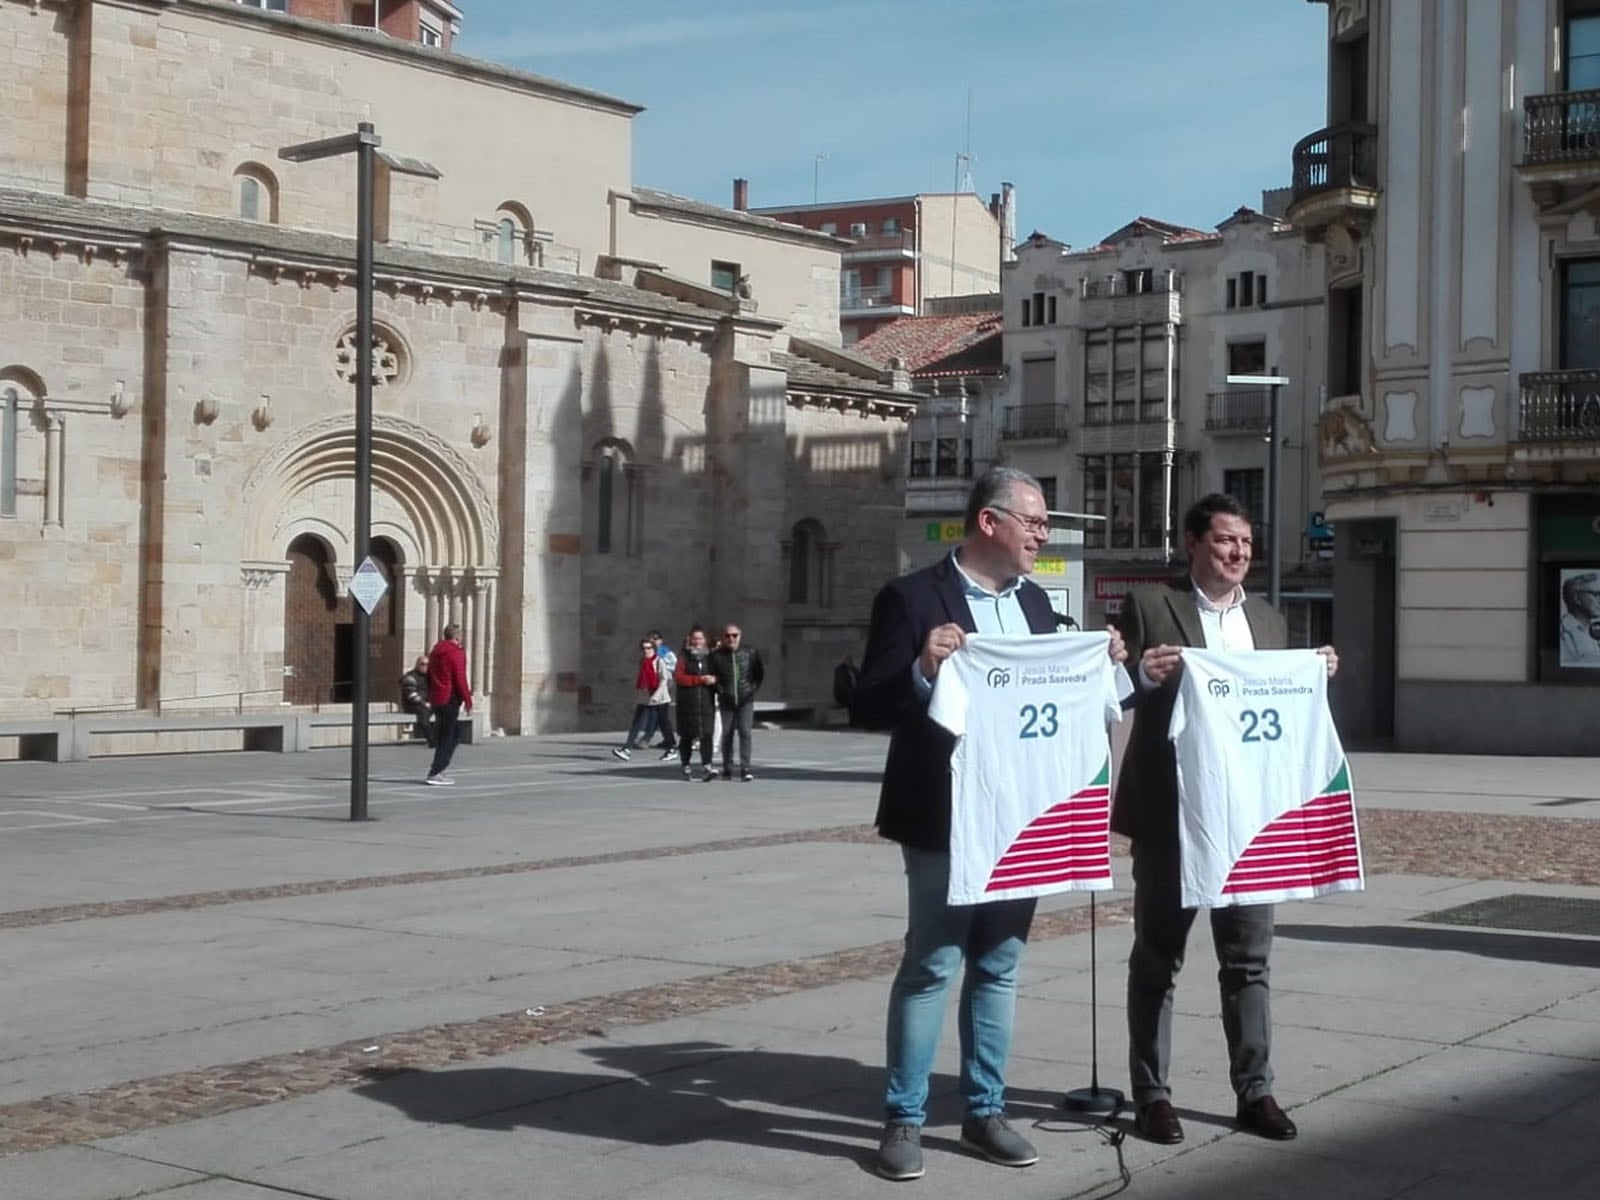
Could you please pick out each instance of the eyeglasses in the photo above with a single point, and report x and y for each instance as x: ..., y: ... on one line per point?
x: 1031, y: 524
x: 732, y: 635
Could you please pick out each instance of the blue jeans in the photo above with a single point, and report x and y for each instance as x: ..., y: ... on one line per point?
x: 939, y: 936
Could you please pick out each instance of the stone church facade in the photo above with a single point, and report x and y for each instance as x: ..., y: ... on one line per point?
x: 580, y: 431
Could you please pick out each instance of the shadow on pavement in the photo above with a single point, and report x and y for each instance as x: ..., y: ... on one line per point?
x: 672, y: 772
x: 687, y: 1092
x: 1515, y: 947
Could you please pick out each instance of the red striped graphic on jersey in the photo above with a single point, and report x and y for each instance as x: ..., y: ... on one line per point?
x: 1068, y: 843
x: 1308, y: 851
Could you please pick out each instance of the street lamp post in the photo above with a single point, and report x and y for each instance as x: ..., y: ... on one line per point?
x: 1274, y: 456
x: 364, y: 144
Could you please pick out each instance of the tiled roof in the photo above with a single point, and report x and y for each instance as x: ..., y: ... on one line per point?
x: 1163, y: 229
x: 937, y: 345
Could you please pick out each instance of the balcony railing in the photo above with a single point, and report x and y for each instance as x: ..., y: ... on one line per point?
x: 1034, y: 421
x: 1238, y: 410
x: 904, y: 240
x: 1345, y: 156
x: 880, y: 296
x: 1560, y: 406
x: 1561, y: 128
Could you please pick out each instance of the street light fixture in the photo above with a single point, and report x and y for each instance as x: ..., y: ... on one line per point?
x: 1274, y: 453
x: 363, y: 144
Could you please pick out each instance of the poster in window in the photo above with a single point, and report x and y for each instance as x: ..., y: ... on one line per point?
x: 1580, y: 617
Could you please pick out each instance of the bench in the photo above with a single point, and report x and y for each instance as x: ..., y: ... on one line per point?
x: 71, y: 739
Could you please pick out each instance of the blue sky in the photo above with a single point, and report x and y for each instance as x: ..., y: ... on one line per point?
x: 1098, y: 110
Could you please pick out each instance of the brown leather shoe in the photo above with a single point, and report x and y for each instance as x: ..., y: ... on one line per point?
x: 1265, y: 1118
x: 1156, y: 1122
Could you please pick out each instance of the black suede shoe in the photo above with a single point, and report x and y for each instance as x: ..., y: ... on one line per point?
x: 1264, y: 1118
x: 1156, y: 1122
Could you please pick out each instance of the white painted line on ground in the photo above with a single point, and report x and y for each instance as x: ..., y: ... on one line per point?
x: 56, y: 820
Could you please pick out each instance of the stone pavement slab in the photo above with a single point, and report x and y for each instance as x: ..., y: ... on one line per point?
x: 708, y: 967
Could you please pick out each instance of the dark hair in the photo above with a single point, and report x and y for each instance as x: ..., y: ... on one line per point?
x: 1197, y: 521
x: 993, y: 487
x: 654, y: 635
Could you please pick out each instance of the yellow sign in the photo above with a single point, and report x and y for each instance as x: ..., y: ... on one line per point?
x: 945, y: 531
x: 1049, y: 566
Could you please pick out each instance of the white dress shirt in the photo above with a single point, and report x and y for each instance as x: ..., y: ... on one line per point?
x: 1223, y: 626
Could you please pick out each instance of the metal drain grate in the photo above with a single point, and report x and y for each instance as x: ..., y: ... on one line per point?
x: 1535, y: 914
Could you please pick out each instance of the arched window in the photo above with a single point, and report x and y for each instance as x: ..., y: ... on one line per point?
x: 511, y: 236
x: 20, y: 391
x: 11, y: 405
x: 255, y: 193
x: 616, y: 501
x: 605, y: 501
x: 808, y: 564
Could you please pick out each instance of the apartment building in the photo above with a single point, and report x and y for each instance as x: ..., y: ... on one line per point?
x: 906, y: 250
x: 1117, y: 360
x: 426, y: 22
x: 1451, y: 196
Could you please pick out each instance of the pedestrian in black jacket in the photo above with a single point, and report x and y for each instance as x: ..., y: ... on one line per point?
x: 414, y: 699
x: 697, y: 703
x: 739, y: 672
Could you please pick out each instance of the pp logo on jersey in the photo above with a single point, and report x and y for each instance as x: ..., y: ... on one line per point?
x: 1220, y: 688
x: 999, y: 677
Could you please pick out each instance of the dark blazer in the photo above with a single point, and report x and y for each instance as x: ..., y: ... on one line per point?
x: 1146, y: 803
x: 914, y: 804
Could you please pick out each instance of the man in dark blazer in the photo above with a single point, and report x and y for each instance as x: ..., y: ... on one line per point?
x: 918, y: 621
x: 1207, y: 609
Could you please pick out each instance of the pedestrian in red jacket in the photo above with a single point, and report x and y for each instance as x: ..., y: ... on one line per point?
x: 450, y: 694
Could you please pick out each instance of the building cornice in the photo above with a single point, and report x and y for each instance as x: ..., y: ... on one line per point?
x: 378, y: 45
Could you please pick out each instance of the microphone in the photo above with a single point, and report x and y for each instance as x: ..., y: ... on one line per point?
x: 1065, y: 622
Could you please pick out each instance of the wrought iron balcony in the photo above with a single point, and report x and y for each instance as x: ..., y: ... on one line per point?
x: 1344, y: 157
x: 1563, y: 127
x: 1559, y: 406
x: 1034, y: 421
x: 1238, y: 410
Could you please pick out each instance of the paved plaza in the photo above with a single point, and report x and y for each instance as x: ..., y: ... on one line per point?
x: 573, y: 977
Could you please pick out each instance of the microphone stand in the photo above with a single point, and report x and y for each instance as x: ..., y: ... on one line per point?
x: 1094, y: 1098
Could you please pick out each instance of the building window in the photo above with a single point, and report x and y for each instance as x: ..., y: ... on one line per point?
x: 1138, y: 281
x: 1047, y: 488
x: 1027, y: 313
x: 1247, y: 358
x: 1247, y: 289
x: 1580, y: 69
x: 1248, y: 485
x: 1038, y: 310
x: 725, y: 276
x: 921, y: 459
x: 858, y: 229
x: 1132, y: 491
x: 808, y: 564
x: 1567, y: 588
x: 618, y: 500
x: 267, y: 5
x: 1038, y: 382
x: 255, y: 193
x: 429, y: 36
x: 10, y: 414
x: 891, y: 227
x: 831, y: 228
x: 1580, y: 314
x: 1125, y: 375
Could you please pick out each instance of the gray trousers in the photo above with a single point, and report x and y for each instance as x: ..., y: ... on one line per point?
x: 1243, y: 937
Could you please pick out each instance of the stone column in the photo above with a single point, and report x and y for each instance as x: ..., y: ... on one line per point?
x: 54, y: 469
x: 430, y: 607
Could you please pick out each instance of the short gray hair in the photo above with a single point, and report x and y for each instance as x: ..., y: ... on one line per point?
x: 995, y: 486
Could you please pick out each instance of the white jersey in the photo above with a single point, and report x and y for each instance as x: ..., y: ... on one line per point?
x: 1030, y: 799
x: 1265, y: 810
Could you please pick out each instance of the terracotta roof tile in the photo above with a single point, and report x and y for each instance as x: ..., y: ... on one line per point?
x: 928, y: 345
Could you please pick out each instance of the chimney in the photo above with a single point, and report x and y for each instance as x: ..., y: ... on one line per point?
x: 1008, y: 223
x: 741, y: 195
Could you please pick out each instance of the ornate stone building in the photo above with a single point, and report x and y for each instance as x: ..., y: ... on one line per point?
x: 1454, y: 196
x: 581, y: 429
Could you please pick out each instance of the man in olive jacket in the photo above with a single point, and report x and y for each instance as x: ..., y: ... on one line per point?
x: 1207, y: 609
